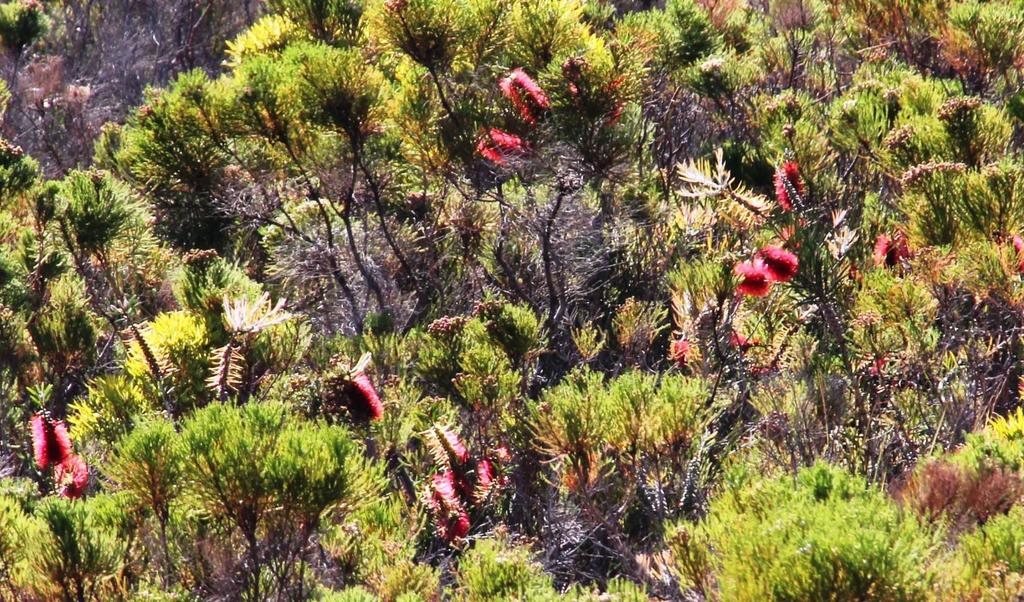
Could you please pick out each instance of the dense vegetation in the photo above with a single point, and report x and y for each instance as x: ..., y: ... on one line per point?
x: 512, y: 299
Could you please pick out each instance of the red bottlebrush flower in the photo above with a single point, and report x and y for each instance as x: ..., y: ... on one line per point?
x: 889, y: 252
x: 487, y: 151
x: 755, y: 279
x: 50, y: 441
x: 878, y: 365
x: 527, y: 97
x: 454, y: 446
x: 508, y: 143
x: 787, y: 181
x: 484, y: 476
x: 446, y: 490
x: 499, y: 146
x: 364, y: 403
x: 780, y: 263
x: 72, y: 476
x: 680, y: 351
x: 452, y: 518
x: 455, y: 527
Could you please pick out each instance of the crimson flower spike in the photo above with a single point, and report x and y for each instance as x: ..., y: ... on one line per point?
x: 755, y: 279
x: 526, y: 96
x: 363, y: 402
x: 680, y: 351
x: 453, y: 446
x: 452, y: 517
x: 780, y: 263
x: 890, y: 252
x: 72, y: 476
x: 51, y: 443
x: 500, y: 146
x: 788, y: 186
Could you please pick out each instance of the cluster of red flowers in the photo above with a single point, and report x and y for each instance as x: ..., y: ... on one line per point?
x: 499, y: 147
x: 770, y: 265
x: 352, y: 391
x: 530, y: 101
x: 890, y: 252
x: 51, y: 446
x: 743, y: 343
x: 365, y: 403
x: 788, y: 186
x: 680, y: 351
x: 461, y: 484
x: 526, y: 96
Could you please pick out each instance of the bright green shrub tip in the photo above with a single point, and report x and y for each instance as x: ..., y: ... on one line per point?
x: 74, y: 546
x: 352, y: 594
x: 109, y: 408
x: 21, y: 24
x: 179, y: 343
x: 496, y: 571
x: 1000, y: 443
x: 992, y: 553
x: 243, y: 458
x: 97, y: 209
x: 692, y: 37
x: 825, y: 535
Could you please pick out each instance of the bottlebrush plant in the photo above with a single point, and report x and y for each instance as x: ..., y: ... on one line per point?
x: 682, y: 300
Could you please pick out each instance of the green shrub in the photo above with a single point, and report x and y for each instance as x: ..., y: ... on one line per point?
x: 21, y: 24
x: 823, y: 535
x: 992, y: 558
x: 75, y: 550
x: 494, y: 570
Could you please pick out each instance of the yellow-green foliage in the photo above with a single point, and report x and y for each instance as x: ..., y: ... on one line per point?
x: 73, y: 546
x: 495, y: 570
x: 989, y: 562
x: 821, y: 535
x: 587, y: 425
x: 179, y: 344
x: 1001, y: 443
x: 109, y: 408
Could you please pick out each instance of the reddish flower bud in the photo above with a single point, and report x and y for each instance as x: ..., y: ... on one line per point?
x: 484, y: 474
x: 680, y: 351
x: 451, y: 516
x: 446, y: 490
x: 780, y: 263
x: 51, y: 443
x: 499, y: 146
x: 456, y: 527
x: 787, y: 182
x: 878, y: 365
x: 527, y: 97
x: 889, y: 252
x: 755, y: 280
x: 72, y: 477
x: 454, y: 446
x: 502, y: 454
x: 362, y: 400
